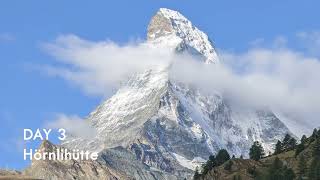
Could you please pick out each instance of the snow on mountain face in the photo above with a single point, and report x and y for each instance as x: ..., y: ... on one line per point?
x: 167, y: 22
x: 171, y: 126
x: 131, y: 107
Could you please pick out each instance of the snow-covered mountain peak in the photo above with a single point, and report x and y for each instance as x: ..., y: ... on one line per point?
x: 168, y: 22
x: 169, y: 126
x: 171, y: 14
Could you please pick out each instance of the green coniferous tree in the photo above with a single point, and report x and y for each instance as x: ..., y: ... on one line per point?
x: 278, y: 148
x: 288, y: 174
x: 279, y: 172
x: 274, y: 171
x: 302, y: 167
x: 316, y: 148
x: 292, y: 144
x: 315, y: 133
x: 286, y: 139
x: 299, y: 149
x: 303, y: 139
x: 288, y: 143
x: 196, y: 175
x: 314, y: 170
x: 205, y: 168
x: 222, y: 157
x: 212, y: 162
x: 313, y: 136
x: 256, y: 151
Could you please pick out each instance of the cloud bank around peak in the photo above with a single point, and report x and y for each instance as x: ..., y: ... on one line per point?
x: 73, y: 125
x: 98, y: 67
x: 282, y: 78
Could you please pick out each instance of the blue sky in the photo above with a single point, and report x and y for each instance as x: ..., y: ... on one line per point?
x: 30, y: 98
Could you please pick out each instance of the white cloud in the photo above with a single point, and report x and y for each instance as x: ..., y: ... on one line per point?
x: 284, y: 80
x: 73, y: 125
x: 97, y: 67
x: 278, y: 77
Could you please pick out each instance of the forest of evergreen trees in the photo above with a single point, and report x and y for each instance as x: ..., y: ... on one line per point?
x: 277, y: 170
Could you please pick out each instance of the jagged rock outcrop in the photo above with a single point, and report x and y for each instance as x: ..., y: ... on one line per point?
x: 167, y: 22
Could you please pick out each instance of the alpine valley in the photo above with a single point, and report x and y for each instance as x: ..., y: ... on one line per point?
x: 156, y: 128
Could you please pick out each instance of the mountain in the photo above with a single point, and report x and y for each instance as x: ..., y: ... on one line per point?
x: 156, y: 128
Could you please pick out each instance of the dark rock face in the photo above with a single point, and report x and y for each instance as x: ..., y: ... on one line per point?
x: 159, y: 26
x: 126, y: 161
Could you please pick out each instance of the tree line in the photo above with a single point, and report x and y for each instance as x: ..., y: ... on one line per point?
x: 277, y: 170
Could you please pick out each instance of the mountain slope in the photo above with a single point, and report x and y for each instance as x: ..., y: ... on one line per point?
x: 250, y: 169
x: 70, y: 169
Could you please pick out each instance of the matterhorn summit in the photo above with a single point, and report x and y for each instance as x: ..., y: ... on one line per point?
x: 155, y: 128
x: 167, y: 22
